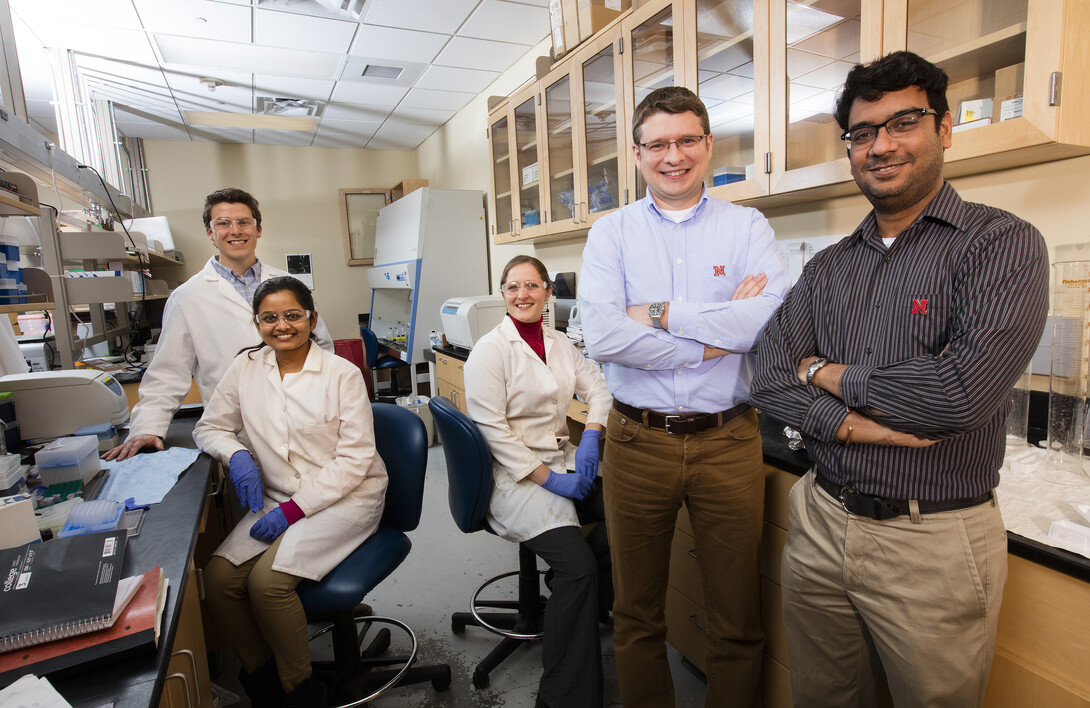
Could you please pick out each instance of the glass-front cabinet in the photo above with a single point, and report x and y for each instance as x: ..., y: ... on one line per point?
x: 1018, y: 74
x: 813, y: 44
x: 503, y: 201
x: 564, y: 181
x: 529, y: 219
x: 731, y: 69
x: 653, y: 41
x: 599, y: 120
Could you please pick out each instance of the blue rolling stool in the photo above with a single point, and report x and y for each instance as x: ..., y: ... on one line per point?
x: 356, y: 677
x: 469, y: 472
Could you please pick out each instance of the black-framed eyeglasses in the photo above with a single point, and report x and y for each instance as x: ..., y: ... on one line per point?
x: 900, y: 125
x: 270, y: 319
x: 687, y: 142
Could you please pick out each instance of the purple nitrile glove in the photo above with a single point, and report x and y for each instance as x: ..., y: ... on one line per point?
x: 586, y: 455
x: 573, y: 486
x: 270, y: 526
x: 247, y: 479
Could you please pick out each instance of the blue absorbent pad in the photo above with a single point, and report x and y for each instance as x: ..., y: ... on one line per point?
x: 148, y: 476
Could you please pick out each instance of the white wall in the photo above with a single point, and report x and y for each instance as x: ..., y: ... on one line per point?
x: 298, y: 191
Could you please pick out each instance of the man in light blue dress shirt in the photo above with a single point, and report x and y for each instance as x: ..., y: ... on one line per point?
x: 674, y: 291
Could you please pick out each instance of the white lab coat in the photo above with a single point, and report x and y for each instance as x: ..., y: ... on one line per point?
x: 205, y: 324
x: 313, y: 437
x: 520, y: 406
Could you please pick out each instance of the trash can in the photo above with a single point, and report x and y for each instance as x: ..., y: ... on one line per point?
x: 419, y: 405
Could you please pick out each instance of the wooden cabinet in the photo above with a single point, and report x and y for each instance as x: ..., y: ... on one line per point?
x: 450, y: 380
x: 1000, y: 50
x: 188, y: 684
x: 769, y: 72
x: 557, y: 149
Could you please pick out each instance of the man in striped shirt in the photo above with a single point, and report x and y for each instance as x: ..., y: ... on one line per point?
x: 895, y: 355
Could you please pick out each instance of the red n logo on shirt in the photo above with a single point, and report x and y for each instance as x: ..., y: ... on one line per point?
x: 919, y: 307
x: 719, y: 270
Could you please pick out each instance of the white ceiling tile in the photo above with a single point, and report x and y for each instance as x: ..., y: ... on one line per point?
x: 421, y: 116
x: 355, y: 114
x: 197, y: 18
x: 445, y: 78
x: 369, y: 93
x: 397, y: 44
x: 121, y: 44
x: 242, y: 57
x: 469, y: 53
x: 507, y: 22
x: 294, y: 31
x: 100, y: 13
x: 427, y: 15
x: 346, y: 133
x: 294, y: 87
x: 429, y: 98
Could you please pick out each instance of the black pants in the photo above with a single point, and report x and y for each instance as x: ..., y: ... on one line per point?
x: 581, y: 588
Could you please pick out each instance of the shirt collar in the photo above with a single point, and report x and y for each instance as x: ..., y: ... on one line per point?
x: 253, y: 272
x: 653, y: 207
x: 947, y: 207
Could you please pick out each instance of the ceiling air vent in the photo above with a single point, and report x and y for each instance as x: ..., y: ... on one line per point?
x: 375, y: 71
x: 296, y: 107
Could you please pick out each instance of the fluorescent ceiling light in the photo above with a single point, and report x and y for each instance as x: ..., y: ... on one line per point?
x: 249, y: 121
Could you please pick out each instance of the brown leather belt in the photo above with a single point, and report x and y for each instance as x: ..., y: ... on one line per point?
x: 680, y: 424
x: 879, y: 509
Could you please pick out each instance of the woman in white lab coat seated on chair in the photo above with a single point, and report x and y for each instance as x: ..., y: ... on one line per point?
x: 314, y: 493
x: 519, y: 381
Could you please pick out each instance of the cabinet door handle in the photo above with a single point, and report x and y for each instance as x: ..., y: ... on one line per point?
x: 185, y: 685
x: 692, y: 553
x: 692, y: 618
x: 583, y: 212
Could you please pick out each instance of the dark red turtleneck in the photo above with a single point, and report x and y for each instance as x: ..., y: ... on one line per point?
x: 532, y: 335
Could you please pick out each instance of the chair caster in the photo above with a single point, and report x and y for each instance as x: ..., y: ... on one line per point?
x: 480, y: 679
x: 443, y: 683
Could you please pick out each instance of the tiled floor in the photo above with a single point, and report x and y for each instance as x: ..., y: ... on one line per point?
x: 437, y: 579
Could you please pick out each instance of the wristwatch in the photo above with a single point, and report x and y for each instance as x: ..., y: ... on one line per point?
x: 654, y: 311
x: 813, y: 369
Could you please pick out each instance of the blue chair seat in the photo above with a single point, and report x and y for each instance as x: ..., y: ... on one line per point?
x: 345, y: 586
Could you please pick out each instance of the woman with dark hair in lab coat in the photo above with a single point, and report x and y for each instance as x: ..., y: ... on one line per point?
x: 314, y: 492
x: 520, y: 378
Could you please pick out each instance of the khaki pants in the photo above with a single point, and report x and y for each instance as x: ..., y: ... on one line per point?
x: 917, y: 601
x: 718, y: 475
x: 260, y: 615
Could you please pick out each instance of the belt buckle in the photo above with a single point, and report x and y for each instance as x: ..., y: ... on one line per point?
x: 666, y: 422
x: 844, y: 490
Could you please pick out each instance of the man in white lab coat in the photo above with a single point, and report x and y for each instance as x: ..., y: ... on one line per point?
x: 206, y: 321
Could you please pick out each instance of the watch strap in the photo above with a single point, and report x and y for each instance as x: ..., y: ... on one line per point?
x: 814, y: 367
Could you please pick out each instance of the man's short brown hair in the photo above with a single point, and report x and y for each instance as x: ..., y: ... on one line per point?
x: 669, y: 99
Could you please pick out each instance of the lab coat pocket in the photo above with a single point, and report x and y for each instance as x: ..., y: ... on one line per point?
x: 318, y: 442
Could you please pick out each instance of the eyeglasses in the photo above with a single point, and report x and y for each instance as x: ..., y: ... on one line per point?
x: 269, y: 319
x: 531, y: 287
x: 685, y: 143
x: 243, y: 223
x: 900, y: 125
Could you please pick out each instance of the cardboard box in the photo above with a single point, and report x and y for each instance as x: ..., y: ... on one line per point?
x: 596, y: 14
x: 1009, y: 82
x: 17, y: 523
x: 564, y: 26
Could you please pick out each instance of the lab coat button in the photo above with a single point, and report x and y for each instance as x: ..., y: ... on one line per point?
x: 297, y: 475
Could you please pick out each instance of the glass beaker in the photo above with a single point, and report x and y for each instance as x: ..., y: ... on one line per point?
x: 1018, y: 417
x: 1068, y: 387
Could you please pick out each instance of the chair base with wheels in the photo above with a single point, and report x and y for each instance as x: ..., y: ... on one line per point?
x: 384, y: 362
x: 469, y: 473
x: 358, y: 675
x: 521, y: 623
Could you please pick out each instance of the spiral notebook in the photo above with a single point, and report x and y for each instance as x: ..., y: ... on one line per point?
x: 59, y: 588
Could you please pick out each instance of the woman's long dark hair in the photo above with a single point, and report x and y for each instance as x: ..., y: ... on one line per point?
x: 275, y: 285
